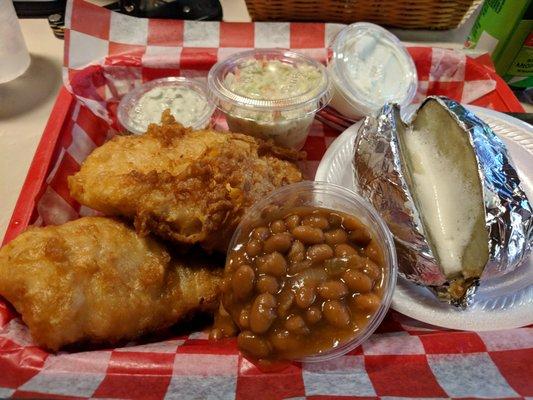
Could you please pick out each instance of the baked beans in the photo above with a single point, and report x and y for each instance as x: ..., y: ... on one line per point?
x: 262, y: 313
x: 244, y: 318
x: 295, y: 323
x: 317, y: 221
x: 292, y: 221
x: 332, y: 289
x: 301, y: 281
x: 335, y: 236
x: 267, y: 284
x: 308, y: 234
x: 253, y: 344
x: 305, y: 296
x: 357, y: 281
x: 336, y: 313
x: 344, y: 250
x: 273, y: 264
x: 260, y: 233
x: 280, y: 242
x: 285, y: 300
x: 278, y: 226
x: 254, y: 247
x: 319, y: 253
x: 313, y: 315
x: 242, y: 281
x: 297, y: 252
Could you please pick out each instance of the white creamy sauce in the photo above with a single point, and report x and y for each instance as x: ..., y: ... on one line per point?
x: 376, y: 68
x: 186, y: 105
x: 445, y: 196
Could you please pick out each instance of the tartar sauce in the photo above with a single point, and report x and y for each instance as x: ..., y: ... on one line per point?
x: 185, y: 104
x: 369, y: 68
x: 376, y: 69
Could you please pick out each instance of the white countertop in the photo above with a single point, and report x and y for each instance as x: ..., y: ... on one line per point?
x: 26, y: 102
x: 25, y: 105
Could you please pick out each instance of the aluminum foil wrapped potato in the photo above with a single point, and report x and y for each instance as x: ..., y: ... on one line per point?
x: 449, y: 193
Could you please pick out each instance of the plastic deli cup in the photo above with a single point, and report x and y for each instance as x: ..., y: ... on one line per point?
x: 270, y: 94
x: 370, y: 67
x: 14, y: 56
x: 186, y: 99
x: 286, y: 201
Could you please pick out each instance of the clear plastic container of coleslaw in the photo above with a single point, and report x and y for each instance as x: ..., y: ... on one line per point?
x: 270, y: 94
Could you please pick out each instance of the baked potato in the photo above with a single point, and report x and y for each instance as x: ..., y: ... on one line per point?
x: 445, y: 185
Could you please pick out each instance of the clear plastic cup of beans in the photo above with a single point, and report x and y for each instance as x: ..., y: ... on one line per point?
x: 309, y: 274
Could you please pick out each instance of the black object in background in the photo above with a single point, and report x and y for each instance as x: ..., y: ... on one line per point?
x: 199, y: 10
x: 526, y: 117
x: 524, y: 95
x: 39, y: 9
x: 57, y: 23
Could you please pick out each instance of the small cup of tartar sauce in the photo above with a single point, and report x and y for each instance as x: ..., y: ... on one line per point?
x: 270, y: 94
x: 185, y: 98
x: 369, y: 67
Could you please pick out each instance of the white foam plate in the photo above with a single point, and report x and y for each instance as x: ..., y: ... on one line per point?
x: 502, y: 303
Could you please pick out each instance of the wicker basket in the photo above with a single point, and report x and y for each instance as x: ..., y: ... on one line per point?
x: 411, y: 14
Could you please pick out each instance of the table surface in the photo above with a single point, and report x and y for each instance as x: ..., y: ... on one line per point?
x: 26, y: 102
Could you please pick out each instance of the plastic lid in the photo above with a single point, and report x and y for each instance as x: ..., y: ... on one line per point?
x: 368, y: 59
x: 311, y: 100
x: 129, y: 101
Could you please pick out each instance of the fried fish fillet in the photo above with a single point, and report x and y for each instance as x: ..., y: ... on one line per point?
x: 183, y: 185
x: 95, y: 280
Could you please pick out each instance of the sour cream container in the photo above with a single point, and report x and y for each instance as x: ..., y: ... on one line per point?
x: 270, y: 94
x: 369, y: 68
x: 185, y: 98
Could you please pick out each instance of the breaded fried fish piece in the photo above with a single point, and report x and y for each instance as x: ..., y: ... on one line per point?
x: 183, y: 185
x: 95, y: 280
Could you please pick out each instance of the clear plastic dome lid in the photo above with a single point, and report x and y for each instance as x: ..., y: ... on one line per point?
x: 371, y: 67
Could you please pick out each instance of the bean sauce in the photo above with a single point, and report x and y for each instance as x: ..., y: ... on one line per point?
x: 302, y: 282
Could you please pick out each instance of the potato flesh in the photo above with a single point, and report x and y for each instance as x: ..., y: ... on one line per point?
x: 444, y: 181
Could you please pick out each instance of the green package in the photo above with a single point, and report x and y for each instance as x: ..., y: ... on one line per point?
x: 520, y: 71
x: 503, y: 28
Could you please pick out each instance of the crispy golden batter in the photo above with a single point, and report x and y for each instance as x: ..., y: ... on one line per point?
x: 183, y: 185
x: 96, y: 280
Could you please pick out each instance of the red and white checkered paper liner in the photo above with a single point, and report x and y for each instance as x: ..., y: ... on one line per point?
x: 403, y: 359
